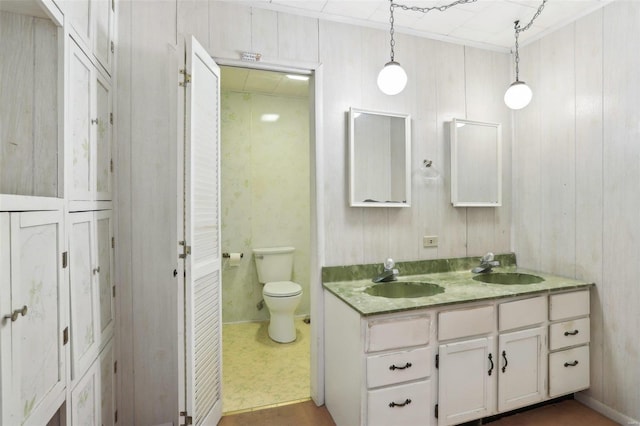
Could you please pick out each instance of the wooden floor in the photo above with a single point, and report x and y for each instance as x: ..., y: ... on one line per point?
x: 565, y: 413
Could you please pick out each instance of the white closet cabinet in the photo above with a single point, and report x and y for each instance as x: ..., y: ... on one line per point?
x: 92, y: 21
x: 33, y: 307
x: 91, y: 287
x: 90, y: 128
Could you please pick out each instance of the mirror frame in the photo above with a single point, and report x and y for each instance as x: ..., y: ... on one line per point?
x: 352, y: 157
x: 456, y: 199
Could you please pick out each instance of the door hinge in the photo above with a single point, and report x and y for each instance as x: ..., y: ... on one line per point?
x: 115, y: 367
x: 113, y: 5
x: 113, y: 242
x: 113, y: 47
x: 115, y: 416
x: 65, y: 336
x: 186, y: 249
x: 437, y: 360
x: 187, y: 78
x: 111, y: 165
x: 110, y: 118
x: 436, y: 411
x: 113, y: 291
x: 187, y: 419
x: 65, y: 259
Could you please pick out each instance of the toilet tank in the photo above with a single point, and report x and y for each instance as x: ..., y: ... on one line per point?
x: 274, y: 263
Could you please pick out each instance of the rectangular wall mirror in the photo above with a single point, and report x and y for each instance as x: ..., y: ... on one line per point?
x: 380, y: 156
x: 476, y: 164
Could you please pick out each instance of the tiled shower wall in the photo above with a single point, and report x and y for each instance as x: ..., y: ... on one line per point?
x: 265, y: 197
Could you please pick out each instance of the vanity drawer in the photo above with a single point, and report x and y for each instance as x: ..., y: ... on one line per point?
x: 522, y: 313
x: 398, y: 367
x: 568, y: 305
x: 568, y: 371
x: 466, y: 322
x: 403, y: 405
x: 397, y: 333
x: 569, y: 333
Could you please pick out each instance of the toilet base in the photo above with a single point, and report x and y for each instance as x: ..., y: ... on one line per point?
x: 282, y: 328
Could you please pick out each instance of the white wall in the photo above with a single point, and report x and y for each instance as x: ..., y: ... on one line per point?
x: 576, y: 172
x: 445, y: 81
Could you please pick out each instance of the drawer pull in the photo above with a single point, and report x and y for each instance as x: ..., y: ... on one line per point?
x: 402, y: 404
x: 571, y: 364
x: 571, y: 333
x: 504, y: 356
x: 395, y: 367
x: 491, y: 361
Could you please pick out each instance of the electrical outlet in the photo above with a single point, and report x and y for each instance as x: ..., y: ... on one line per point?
x: 430, y: 241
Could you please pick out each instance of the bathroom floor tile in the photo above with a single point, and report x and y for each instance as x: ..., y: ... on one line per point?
x: 257, y: 371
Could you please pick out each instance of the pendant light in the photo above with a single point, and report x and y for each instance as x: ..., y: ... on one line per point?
x: 392, y: 79
x: 518, y: 94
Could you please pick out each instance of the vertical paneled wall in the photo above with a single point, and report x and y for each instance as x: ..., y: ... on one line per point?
x: 576, y: 171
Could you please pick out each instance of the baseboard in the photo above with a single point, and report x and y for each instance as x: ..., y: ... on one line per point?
x: 605, y: 410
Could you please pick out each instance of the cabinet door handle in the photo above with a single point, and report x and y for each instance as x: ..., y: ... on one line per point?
x: 14, y: 315
x: 491, y: 361
x: 96, y: 270
x: 95, y: 121
x: 504, y: 356
x: 395, y: 367
x: 571, y: 364
x: 402, y: 404
x: 571, y: 333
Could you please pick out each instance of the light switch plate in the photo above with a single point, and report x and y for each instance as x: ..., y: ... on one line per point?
x: 430, y: 241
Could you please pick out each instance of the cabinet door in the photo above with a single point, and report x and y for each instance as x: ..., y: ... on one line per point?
x: 79, y: 175
x: 84, y: 293
x: 466, y: 381
x: 104, y: 267
x: 32, y: 353
x: 102, y: 31
x: 102, y: 125
x: 85, y: 398
x: 522, y: 365
x: 107, y: 386
x: 78, y: 14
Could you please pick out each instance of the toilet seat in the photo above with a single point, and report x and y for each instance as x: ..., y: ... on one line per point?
x: 282, y: 289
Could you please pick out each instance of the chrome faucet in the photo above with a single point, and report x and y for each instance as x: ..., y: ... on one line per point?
x: 388, y: 274
x: 486, y: 263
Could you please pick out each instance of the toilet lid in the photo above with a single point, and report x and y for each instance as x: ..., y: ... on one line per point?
x: 281, y: 289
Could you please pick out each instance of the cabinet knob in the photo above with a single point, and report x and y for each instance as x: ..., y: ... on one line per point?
x: 15, y: 314
x: 95, y: 121
x: 96, y: 270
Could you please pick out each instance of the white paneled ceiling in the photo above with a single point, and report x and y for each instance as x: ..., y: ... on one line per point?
x: 484, y: 23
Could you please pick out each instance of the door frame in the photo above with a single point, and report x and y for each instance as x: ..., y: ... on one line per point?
x: 316, y: 249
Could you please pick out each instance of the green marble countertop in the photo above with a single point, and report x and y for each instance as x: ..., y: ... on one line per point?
x: 459, y: 287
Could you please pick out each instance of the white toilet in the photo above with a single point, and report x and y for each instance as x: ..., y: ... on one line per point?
x: 282, y: 296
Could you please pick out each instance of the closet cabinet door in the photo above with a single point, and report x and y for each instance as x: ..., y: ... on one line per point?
x: 107, y: 386
x: 32, y: 305
x: 103, y: 138
x: 90, y: 135
x: 80, y: 176
x: 104, y: 11
x: 104, y: 266
x: 83, y: 285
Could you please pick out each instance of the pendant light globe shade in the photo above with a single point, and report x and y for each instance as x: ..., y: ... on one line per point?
x: 518, y: 95
x: 392, y: 79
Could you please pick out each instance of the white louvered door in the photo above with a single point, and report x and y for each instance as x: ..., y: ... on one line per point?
x: 203, y: 352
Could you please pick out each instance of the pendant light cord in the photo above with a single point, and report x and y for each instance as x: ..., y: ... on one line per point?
x: 391, y: 31
x: 518, y: 29
x: 429, y: 9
